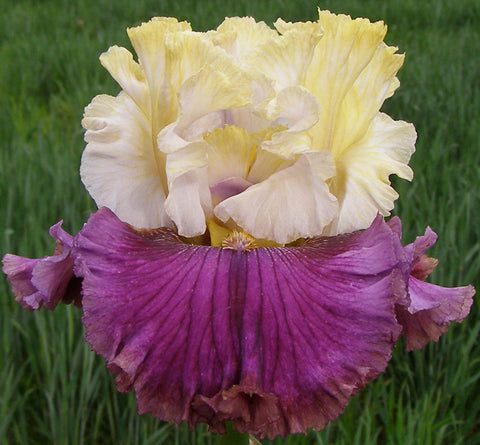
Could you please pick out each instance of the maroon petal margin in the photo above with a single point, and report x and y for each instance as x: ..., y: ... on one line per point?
x: 274, y: 339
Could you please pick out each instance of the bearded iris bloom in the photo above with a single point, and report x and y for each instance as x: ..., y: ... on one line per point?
x: 239, y: 267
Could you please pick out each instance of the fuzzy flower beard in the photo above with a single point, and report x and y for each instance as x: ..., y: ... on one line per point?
x: 240, y: 268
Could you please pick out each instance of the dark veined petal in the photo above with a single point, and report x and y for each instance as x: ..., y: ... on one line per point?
x: 274, y: 339
x: 428, y: 311
x: 45, y: 281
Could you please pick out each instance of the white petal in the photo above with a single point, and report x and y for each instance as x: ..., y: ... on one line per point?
x: 290, y: 204
x: 119, y: 166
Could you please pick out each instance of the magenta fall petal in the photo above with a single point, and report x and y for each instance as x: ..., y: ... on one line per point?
x: 45, y: 281
x: 431, y: 308
x: 275, y: 339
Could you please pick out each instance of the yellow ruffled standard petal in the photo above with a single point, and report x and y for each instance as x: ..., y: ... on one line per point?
x: 148, y: 41
x: 231, y: 153
x: 292, y: 203
x: 285, y: 58
x: 118, y: 165
x: 344, y: 52
x: 362, y: 183
x: 239, y: 36
x: 220, y: 85
x: 363, y: 101
x: 206, y: 98
x: 128, y: 74
x: 296, y: 111
x: 351, y: 74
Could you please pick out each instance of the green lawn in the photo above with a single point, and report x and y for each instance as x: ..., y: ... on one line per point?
x: 54, y: 390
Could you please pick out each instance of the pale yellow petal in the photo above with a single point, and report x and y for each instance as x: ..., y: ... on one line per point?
x: 129, y: 75
x: 231, y: 151
x: 313, y: 28
x: 285, y: 58
x: 204, y: 99
x: 148, y: 41
x: 118, y: 165
x: 266, y: 164
x: 363, y: 101
x: 239, y: 36
x: 296, y: 110
x: 219, y: 86
x: 362, y: 183
x: 344, y: 52
x: 292, y: 203
x: 192, y: 156
x: 186, y: 54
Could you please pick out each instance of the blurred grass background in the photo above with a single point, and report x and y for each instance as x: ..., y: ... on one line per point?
x: 54, y: 390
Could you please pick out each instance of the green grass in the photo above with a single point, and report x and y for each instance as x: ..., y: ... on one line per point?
x: 54, y: 390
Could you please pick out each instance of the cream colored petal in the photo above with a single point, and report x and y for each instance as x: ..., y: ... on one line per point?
x: 362, y: 183
x: 291, y: 204
x: 247, y: 118
x: 288, y: 145
x: 286, y: 58
x: 231, y: 151
x: 189, y: 202
x: 148, y: 41
x: 302, y: 27
x: 266, y: 164
x: 239, y: 36
x: 129, y: 75
x: 118, y: 165
x: 350, y: 57
x: 363, y: 101
x: 186, y: 54
x: 192, y: 156
x: 219, y: 86
x: 203, y: 99
x: 296, y: 110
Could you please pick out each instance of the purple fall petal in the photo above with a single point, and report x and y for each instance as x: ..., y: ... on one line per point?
x: 429, y: 309
x: 45, y: 281
x: 275, y: 339
x: 432, y: 309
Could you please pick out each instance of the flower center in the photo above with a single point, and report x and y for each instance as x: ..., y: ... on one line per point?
x: 239, y: 241
x: 228, y: 187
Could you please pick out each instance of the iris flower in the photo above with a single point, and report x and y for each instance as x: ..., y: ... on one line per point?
x: 239, y: 267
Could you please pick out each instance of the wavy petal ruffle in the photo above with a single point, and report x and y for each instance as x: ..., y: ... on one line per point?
x: 275, y: 339
x: 45, y: 281
x: 427, y: 312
